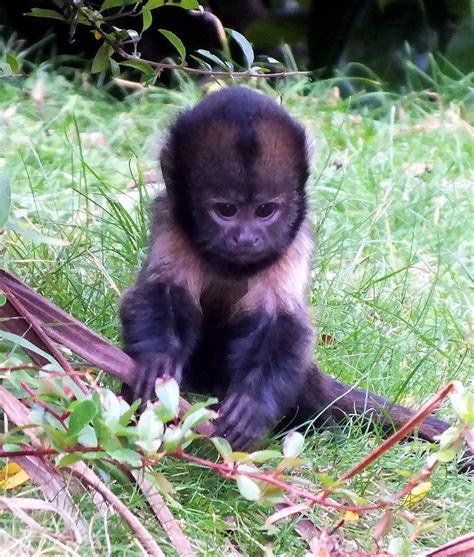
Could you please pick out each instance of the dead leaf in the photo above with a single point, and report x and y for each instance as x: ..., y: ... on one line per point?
x: 418, y: 493
x: 12, y: 475
x: 325, y: 545
x: 382, y: 528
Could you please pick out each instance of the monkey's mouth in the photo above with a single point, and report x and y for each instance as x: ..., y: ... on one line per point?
x: 245, y: 256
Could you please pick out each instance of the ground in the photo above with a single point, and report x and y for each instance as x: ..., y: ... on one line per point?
x: 392, y: 205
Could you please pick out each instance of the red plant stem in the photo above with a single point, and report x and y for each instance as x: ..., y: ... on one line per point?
x: 19, y: 368
x: 227, y: 471
x: 40, y: 368
x: 49, y: 452
x: 43, y: 404
x: 403, y: 432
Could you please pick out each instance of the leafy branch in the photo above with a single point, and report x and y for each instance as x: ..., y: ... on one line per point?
x: 116, y: 39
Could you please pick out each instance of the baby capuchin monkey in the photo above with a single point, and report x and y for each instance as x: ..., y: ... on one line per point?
x: 220, y: 303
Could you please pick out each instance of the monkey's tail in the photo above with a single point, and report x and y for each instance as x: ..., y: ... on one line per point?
x: 334, y: 400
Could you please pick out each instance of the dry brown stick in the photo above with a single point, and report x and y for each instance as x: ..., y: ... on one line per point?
x: 43, y: 474
x: 87, y: 476
x: 170, y: 525
x: 66, y: 330
x: 21, y: 322
x: 460, y: 547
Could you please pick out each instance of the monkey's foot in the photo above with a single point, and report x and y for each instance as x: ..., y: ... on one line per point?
x: 241, y: 422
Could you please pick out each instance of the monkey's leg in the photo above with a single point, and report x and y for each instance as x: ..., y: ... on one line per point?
x: 160, y: 326
x: 267, y: 362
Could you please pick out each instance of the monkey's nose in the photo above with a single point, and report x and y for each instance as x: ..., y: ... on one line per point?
x: 246, y: 240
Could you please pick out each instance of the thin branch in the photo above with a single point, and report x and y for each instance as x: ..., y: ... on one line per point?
x: 403, y: 432
x: 43, y: 404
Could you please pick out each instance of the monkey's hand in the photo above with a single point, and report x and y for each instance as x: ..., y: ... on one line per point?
x: 242, y: 421
x: 148, y: 368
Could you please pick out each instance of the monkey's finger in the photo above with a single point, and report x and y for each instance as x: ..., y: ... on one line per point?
x: 237, y: 426
x: 126, y: 393
x: 233, y: 407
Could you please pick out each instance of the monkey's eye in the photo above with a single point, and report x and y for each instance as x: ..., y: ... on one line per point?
x: 266, y: 210
x: 226, y: 210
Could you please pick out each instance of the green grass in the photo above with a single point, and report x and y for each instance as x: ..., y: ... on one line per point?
x: 392, y: 275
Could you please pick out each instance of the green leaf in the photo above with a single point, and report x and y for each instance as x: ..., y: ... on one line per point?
x: 167, y: 390
x: 446, y: 455
x: 101, y: 61
x: 293, y: 444
x: 202, y: 63
x: 150, y: 431
x: 185, y: 4
x: 3, y: 300
x: 176, y: 42
x: 35, y: 237
x: 128, y: 414
x: 263, y: 456
x: 112, y: 406
x: 237, y: 456
x: 248, y: 488
x: 116, y: 3
x: 27, y: 345
x: 399, y: 546
x: 88, y: 437
x: 5, y: 70
x: 69, y: 459
x: 162, y: 413
x: 463, y: 403
x: 327, y: 481
x: 448, y: 437
x: 147, y: 19
x: 50, y: 14
x: 223, y: 447
x: 5, y: 199
x: 213, y: 58
x: 127, y: 456
x: 139, y: 65
x: 172, y: 438
x: 82, y: 414
x: 160, y: 482
x: 196, y: 418
x: 245, y: 46
x: 10, y: 447
x: 13, y: 62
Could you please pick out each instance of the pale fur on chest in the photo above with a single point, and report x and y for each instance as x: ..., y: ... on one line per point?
x: 280, y: 288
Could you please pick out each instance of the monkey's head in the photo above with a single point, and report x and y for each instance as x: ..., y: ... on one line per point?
x: 235, y: 168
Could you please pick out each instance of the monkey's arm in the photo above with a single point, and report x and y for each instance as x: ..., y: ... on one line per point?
x: 267, y: 362
x: 160, y: 325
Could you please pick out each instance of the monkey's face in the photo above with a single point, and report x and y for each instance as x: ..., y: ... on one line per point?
x: 241, y: 235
